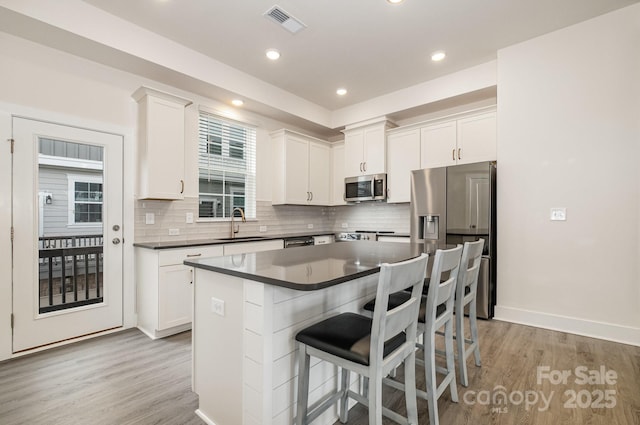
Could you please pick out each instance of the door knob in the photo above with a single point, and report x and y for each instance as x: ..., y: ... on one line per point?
x: 116, y: 241
x: 116, y: 227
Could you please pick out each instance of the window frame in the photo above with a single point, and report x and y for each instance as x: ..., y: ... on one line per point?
x: 72, y: 179
x: 236, y: 159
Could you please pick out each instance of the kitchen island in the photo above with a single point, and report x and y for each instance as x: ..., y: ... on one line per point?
x: 247, y: 310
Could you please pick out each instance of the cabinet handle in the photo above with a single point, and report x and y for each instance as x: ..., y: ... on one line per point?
x: 365, y: 166
x: 308, y: 196
x: 311, y: 196
x: 181, y: 186
x: 459, y: 153
x: 453, y: 154
x: 193, y: 255
x: 361, y: 167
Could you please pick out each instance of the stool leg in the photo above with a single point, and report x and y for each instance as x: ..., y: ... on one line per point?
x: 365, y: 386
x: 344, y: 400
x: 473, y: 324
x: 303, y: 385
x: 460, y: 342
x: 430, y: 376
x: 375, y: 399
x: 410, y: 388
x: 451, y: 367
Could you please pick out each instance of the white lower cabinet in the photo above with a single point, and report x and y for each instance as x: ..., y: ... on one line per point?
x: 165, y: 285
x: 164, y: 288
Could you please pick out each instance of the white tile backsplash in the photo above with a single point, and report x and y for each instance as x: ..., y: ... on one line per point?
x: 280, y: 220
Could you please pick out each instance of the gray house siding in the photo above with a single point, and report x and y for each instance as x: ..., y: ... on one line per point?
x: 56, y: 216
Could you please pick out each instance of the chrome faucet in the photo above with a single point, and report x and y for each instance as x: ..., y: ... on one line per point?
x: 235, y: 230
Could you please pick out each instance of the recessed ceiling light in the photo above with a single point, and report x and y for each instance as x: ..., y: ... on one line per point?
x: 273, y: 54
x: 237, y: 102
x: 341, y: 92
x: 438, y: 56
x: 395, y: 1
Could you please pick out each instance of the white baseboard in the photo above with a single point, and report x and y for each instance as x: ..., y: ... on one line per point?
x: 601, y: 330
x: 204, y: 417
x: 166, y: 332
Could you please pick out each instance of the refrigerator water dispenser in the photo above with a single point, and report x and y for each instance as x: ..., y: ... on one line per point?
x: 430, y: 227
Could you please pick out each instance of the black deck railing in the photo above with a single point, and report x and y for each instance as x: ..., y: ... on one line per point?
x: 49, y: 242
x: 70, y: 272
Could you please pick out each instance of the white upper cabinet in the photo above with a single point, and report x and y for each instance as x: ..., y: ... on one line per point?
x: 160, y: 151
x: 462, y: 141
x: 403, y: 156
x: 477, y: 137
x: 438, y: 145
x: 319, y: 173
x: 365, y: 150
x: 337, y: 174
x: 302, y: 169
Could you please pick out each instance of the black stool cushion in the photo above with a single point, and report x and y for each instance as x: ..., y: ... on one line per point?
x: 401, y: 297
x: 346, y: 335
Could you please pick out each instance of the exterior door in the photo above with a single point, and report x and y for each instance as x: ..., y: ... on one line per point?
x: 67, y: 221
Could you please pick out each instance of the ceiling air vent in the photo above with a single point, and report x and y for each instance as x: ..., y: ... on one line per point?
x: 284, y: 19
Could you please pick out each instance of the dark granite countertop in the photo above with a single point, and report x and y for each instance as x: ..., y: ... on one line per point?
x: 468, y: 232
x: 220, y: 241
x: 310, y: 268
x: 394, y: 235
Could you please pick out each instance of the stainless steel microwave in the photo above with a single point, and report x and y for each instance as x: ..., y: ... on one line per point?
x: 365, y: 188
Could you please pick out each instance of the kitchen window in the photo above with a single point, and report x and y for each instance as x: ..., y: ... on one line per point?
x: 226, y: 167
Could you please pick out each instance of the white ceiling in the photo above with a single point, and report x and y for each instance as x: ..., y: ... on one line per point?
x: 378, y: 51
x: 368, y: 46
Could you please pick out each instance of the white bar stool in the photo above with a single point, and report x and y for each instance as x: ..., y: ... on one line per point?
x: 371, y: 347
x: 466, y: 294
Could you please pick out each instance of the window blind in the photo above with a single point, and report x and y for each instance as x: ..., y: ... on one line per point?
x: 226, y: 167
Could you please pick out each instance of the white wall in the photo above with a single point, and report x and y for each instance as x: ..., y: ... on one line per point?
x: 569, y: 136
x: 5, y: 241
x: 43, y: 83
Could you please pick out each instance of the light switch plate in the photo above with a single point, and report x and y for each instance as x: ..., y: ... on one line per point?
x: 558, y: 214
x: 189, y: 218
x: 345, y: 225
x: 309, y: 226
x: 263, y: 229
x: 150, y: 218
x: 174, y: 232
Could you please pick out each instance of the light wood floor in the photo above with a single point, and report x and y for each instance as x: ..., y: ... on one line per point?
x: 126, y: 378
x: 118, y: 379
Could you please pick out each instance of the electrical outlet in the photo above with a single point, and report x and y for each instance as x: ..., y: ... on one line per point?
x: 189, y: 218
x: 558, y: 214
x: 217, y: 306
x: 345, y: 225
x: 263, y: 229
x: 150, y: 218
x: 174, y: 232
x: 309, y: 226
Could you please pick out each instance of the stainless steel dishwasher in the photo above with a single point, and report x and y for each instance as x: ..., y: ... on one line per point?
x: 298, y: 241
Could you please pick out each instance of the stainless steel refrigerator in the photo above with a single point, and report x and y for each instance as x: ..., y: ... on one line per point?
x: 451, y: 205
